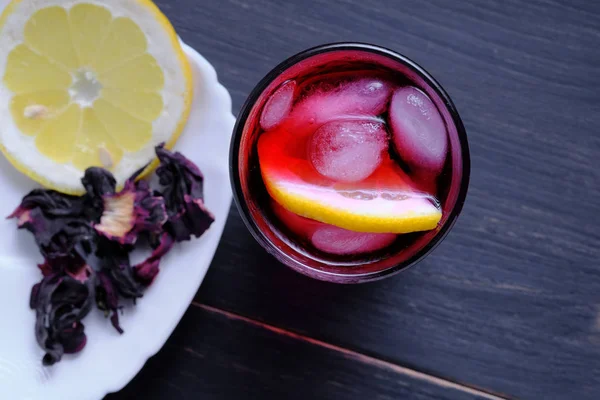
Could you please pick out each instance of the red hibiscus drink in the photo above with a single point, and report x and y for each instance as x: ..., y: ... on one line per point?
x: 349, y: 162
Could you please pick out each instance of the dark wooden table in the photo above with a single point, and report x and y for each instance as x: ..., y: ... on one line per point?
x: 509, y: 304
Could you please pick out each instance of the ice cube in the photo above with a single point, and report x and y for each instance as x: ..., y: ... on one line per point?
x: 348, y: 150
x: 418, y: 130
x: 333, y: 240
x: 364, y: 96
x: 278, y: 106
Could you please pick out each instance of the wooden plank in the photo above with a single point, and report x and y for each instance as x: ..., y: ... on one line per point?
x: 511, y: 300
x: 220, y: 355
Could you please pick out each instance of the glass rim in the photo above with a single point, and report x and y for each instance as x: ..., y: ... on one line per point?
x: 254, y: 96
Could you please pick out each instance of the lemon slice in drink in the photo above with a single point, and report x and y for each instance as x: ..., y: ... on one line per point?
x: 88, y: 83
x: 385, y: 202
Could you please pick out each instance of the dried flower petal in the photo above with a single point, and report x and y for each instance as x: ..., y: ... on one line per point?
x: 98, y: 182
x: 46, y: 268
x: 178, y: 176
x: 52, y: 203
x: 61, y: 302
x: 112, y: 259
x: 146, y: 271
x: 150, y: 210
x: 56, y: 221
x: 194, y: 220
x: 183, y: 192
x: 107, y: 299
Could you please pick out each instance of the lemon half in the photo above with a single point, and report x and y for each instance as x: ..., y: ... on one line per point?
x: 88, y: 83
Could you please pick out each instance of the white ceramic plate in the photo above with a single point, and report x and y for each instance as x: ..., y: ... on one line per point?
x: 109, y: 360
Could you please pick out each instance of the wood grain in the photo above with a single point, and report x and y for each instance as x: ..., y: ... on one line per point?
x: 510, y: 302
x: 219, y: 355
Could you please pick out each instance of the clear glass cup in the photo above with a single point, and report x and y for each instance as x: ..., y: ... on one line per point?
x: 253, y: 201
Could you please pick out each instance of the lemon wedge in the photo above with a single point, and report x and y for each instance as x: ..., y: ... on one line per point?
x: 86, y: 84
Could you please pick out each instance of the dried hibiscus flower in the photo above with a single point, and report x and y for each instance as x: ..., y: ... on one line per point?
x: 86, y: 241
x: 56, y: 221
x: 183, y: 191
x: 182, y: 188
x: 128, y: 213
x: 61, y: 300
